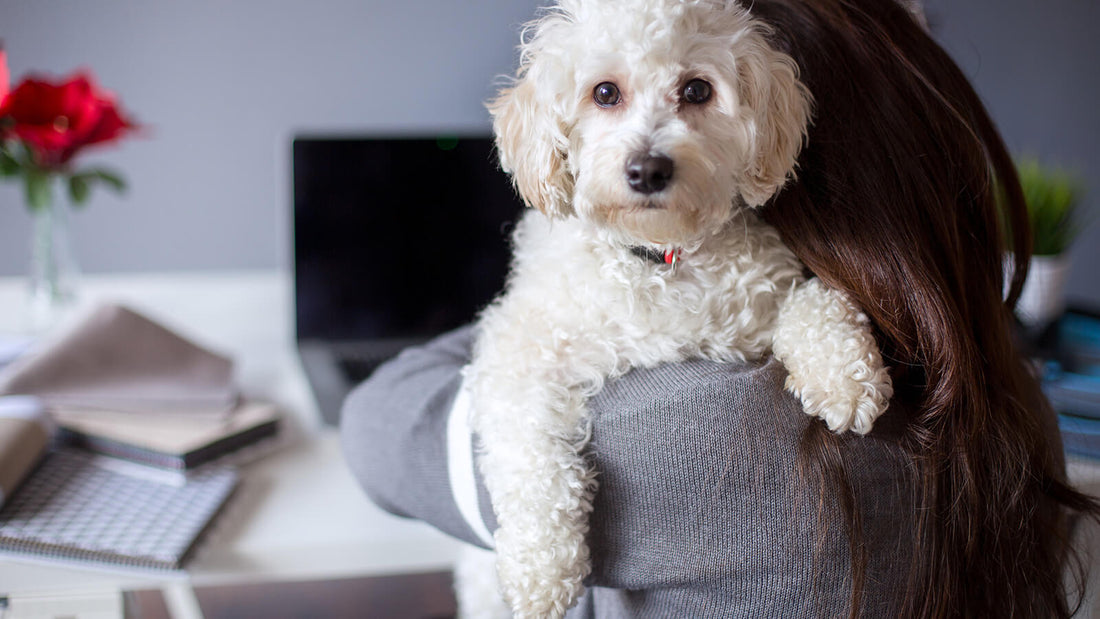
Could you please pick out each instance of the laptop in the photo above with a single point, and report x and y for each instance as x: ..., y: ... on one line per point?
x: 396, y: 240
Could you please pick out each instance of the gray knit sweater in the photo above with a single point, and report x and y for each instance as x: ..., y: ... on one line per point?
x: 704, y: 508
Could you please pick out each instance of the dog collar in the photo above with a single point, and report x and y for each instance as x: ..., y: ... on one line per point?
x: 656, y: 256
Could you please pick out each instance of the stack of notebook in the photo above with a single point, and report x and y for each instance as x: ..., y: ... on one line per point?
x: 102, y: 434
x: 120, y: 384
x: 177, y: 441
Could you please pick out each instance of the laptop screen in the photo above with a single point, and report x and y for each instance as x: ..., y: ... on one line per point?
x: 397, y: 237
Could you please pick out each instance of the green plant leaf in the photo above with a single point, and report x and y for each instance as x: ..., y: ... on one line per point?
x: 79, y: 189
x: 9, y: 166
x: 37, y: 185
x: 24, y: 156
x: 114, y: 181
x: 1053, y: 198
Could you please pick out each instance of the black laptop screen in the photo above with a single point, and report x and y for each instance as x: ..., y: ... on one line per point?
x: 397, y: 238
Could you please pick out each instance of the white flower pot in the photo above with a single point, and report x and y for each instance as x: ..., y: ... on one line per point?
x: 1043, y: 299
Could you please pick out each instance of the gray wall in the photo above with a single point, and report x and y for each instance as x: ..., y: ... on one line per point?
x: 222, y: 85
x: 1036, y: 64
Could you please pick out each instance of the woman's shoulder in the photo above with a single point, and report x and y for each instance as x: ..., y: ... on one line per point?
x: 679, y: 433
x: 704, y: 482
x: 687, y: 405
x: 684, y: 404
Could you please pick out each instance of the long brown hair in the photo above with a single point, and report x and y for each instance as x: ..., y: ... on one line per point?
x: 896, y: 202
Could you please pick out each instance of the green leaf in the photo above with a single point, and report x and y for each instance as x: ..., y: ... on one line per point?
x: 113, y: 180
x: 80, y: 184
x: 24, y: 156
x: 37, y: 185
x: 8, y: 164
x: 1053, y: 198
x: 79, y: 188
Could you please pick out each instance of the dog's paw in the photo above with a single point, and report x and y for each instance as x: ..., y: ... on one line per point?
x: 852, y: 400
x: 542, y: 575
x: 833, y: 363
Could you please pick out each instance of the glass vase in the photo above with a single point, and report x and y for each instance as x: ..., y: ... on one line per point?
x: 54, y: 275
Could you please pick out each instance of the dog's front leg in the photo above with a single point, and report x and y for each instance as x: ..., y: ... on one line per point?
x: 832, y: 360
x: 532, y: 426
x: 476, y: 586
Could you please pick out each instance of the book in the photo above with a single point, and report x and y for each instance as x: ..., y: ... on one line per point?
x: 117, y: 359
x: 1072, y: 392
x: 1071, y: 381
x: 25, y: 433
x: 79, y: 505
x: 176, y: 441
x: 1080, y: 435
x: 120, y: 383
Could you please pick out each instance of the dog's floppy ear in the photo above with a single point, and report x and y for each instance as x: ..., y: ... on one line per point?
x: 532, y: 146
x: 780, y: 107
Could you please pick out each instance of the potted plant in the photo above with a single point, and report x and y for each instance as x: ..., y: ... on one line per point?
x: 1053, y: 198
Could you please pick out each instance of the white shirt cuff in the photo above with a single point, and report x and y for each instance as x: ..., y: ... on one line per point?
x: 460, y: 465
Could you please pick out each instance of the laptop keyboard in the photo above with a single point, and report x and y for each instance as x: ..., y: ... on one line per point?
x: 358, y: 367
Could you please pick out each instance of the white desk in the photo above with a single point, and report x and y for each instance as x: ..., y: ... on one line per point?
x: 298, y: 513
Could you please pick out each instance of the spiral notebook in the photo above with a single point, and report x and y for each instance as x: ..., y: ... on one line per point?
x: 78, y: 505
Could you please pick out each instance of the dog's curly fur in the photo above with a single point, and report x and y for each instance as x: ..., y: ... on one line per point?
x: 582, y: 307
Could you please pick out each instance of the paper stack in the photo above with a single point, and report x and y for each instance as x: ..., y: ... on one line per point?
x: 125, y: 386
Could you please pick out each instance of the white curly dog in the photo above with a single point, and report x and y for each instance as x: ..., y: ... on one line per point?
x: 644, y: 133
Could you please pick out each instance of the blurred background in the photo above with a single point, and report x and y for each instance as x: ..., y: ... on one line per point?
x: 223, y: 86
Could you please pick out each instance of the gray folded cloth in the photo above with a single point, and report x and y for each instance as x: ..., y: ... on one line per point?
x: 116, y: 359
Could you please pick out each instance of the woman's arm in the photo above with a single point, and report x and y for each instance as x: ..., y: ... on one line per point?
x: 394, y: 433
x: 702, y: 497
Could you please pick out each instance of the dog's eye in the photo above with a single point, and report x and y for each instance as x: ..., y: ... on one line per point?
x: 606, y: 94
x: 696, y: 91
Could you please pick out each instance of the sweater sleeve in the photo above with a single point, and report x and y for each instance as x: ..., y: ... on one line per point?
x: 394, y: 436
x: 702, y: 503
x: 707, y: 507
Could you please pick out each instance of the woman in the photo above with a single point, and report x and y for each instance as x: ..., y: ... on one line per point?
x: 904, y: 188
x: 718, y: 498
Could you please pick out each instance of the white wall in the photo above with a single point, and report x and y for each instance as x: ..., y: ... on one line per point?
x: 223, y: 84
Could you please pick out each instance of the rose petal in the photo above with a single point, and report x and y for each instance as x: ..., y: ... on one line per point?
x: 5, y: 75
x: 58, y: 120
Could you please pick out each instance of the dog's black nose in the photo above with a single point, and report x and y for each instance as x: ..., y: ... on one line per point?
x: 647, y: 173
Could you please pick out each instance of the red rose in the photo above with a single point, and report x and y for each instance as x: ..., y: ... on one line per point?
x: 5, y: 78
x: 57, y: 120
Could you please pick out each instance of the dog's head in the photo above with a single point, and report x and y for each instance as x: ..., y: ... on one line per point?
x: 656, y: 119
